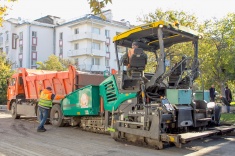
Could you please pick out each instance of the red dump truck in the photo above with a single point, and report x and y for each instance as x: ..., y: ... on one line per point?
x: 24, y: 88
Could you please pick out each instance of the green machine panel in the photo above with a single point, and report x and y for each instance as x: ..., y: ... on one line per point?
x: 202, y: 95
x: 82, y: 102
x: 179, y: 96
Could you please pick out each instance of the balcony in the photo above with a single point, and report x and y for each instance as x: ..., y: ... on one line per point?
x: 90, y: 68
x: 86, y: 51
x: 87, y: 35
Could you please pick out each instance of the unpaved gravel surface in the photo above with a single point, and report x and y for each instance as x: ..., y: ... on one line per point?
x: 19, y: 138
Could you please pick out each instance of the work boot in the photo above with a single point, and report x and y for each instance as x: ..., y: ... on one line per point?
x: 41, y: 130
x: 44, y: 128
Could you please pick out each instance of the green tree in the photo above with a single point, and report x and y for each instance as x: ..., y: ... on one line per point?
x: 217, y: 52
x: 54, y: 63
x: 97, y: 6
x: 4, y: 7
x: 6, y: 72
x: 183, y: 18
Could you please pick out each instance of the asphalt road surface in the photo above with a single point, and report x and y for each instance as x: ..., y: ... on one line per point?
x: 20, y: 138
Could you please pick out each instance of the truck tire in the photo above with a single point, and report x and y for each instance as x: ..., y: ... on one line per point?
x: 14, y: 111
x: 56, y: 116
x: 38, y: 117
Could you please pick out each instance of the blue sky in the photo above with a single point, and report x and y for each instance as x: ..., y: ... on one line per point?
x: 122, y: 9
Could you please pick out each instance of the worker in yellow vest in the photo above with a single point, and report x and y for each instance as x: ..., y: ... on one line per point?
x: 44, y: 104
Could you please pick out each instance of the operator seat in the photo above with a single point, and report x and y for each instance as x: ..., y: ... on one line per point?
x: 138, y: 60
x: 136, y: 66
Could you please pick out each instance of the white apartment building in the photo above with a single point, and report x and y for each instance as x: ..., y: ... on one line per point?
x: 86, y: 40
x: 25, y: 43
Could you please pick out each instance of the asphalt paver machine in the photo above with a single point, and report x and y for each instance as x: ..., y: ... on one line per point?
x: 155, y: 112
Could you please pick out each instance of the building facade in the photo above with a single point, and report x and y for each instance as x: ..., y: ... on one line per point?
x: 25, y: 43
x: 86, y: 40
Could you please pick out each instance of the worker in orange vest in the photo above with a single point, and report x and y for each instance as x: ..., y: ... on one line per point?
x: 131, y: 51
x: 129, y: 54
x: 44, y: 104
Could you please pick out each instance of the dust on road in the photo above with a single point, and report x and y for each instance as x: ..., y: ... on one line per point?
x: 19, y: 138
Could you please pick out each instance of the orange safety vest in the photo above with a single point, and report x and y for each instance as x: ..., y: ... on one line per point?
x: 130, y: 53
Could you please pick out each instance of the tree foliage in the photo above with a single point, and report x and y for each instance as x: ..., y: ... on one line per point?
x: 4, y: 8
x: 177, y: 50
x: 5, y: 68
x: 216, y: 48
x: 183, y: 18
x: 54, y: 63
x: 217, y: 51
x: 97, y: 5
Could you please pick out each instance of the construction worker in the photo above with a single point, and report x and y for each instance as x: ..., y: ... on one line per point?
x: 44, y: 104
x: 212, y: 93
x: 228, y: 96
x: 126, y: 58
x: 130, y: 53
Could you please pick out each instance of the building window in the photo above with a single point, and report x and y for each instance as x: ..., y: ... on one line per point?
x: 106, y: 62
x: 76, y: 46
x: 76, y: 31
x: 107, y: 33
x: 108, y: 55
x: 60, y: 43
x: 34, y: 62
x: 95, y: 46
x: 7, y: 35
x: 34, y: 41
x: 95, y: 30
x: 14, y: 39
x: 20, y: 63
x: 61, y: 55
x: 34, y: 55
x: 61, y: 36
x: 95, y: 61
x: 7, y: 50
x: 21, y: 36
x: 61, y: 50
x: 34, y: 34
x: 34, y: 48
x: 21, y: 43
x: 20, y: 57
x: 21, y: 49
x: 107, y: 48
